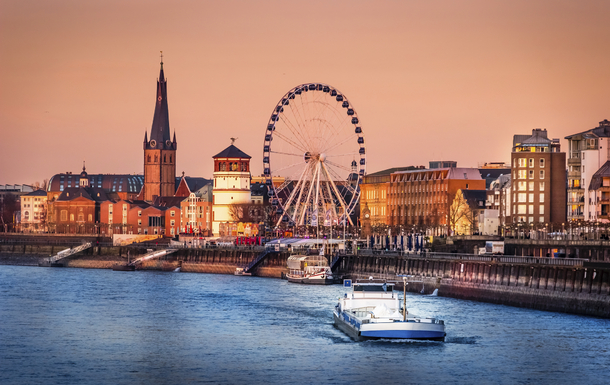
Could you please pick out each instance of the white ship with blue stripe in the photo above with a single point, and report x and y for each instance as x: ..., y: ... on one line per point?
x: 373, y: 311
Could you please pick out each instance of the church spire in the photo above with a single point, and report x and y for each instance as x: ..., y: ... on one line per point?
x: 159, y: 132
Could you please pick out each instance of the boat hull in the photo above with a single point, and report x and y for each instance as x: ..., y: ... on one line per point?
x: 310, y: 280
x: 390, y: 330
x: 123, y: 268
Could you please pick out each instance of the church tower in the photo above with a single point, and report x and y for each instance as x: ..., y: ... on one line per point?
x: 160, y: 150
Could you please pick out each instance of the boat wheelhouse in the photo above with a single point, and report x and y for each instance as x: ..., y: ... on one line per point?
x: 310, y: 269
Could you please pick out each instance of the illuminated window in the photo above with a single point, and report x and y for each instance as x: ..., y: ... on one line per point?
x: 541, y: 198
x: 541, y: 174
x: 541, y: 210
x: 541, y: 162
x: 531, y: 162
x: 541, y: 188
x: 531, y: 186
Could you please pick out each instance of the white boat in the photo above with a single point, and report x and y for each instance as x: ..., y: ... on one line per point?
x: 372, y: 311
x: 309, y: 269
x: 241, y: 271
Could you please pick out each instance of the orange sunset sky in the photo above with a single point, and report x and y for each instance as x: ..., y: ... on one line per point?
x: 430, y: 80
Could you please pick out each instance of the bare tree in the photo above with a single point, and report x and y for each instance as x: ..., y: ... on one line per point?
x: 41, y: 185
x: 460, y: 212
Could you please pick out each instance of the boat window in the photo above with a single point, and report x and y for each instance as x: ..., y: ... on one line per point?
x: 372, y: 288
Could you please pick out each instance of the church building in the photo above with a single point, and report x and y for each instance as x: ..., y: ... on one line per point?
x: 160, y: 150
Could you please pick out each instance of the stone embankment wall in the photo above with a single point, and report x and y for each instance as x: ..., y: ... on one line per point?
x: 572, y: 289
x: 524, y: 282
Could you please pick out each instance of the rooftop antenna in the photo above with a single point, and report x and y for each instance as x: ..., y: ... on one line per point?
x: 233, y: 140
x: 161, y: 59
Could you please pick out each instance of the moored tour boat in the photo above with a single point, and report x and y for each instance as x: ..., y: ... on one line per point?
x: 372, y: 311
x: 309, y: 269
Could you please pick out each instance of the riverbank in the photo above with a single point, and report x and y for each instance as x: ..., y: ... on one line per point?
x: 569, y: 286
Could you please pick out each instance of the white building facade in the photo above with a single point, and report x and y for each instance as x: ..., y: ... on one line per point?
x: 231, y: 186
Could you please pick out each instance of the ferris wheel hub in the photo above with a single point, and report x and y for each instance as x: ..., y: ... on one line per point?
x: 322, y: 157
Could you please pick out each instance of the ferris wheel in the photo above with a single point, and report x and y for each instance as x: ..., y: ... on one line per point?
x: 314, y: 157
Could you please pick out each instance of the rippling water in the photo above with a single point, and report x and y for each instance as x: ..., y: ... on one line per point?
x: 79, y: 326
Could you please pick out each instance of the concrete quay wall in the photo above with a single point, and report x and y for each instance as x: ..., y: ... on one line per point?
x: 571, y: 289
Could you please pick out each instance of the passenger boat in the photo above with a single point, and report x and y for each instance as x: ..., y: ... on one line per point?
x: 241, y: 271
x: 372, y: 311
x: 309, y: 269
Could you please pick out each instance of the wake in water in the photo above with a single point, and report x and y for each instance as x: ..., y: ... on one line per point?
x: 434, y: 293
x: 177, y: 270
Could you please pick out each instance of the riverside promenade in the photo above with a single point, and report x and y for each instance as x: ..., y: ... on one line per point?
x: 570, y: 285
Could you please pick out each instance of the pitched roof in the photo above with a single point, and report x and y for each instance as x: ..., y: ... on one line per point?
x: 164, y: 202
x: 475, y: 198
x: 603, y: 131
x: 160, y: 126
x: 36, y: 193
x: 232, y: 152
x: 596, y: 179
x: 90, y: 193
x: 464, y: 173
x: 392, y: 171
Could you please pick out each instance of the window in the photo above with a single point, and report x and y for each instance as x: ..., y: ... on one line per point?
x: 541, y: 210
x: 522, y: 162
x: 531, y: 186
x: 71, y: 217
x: 90, y: 217
x: 521, y: 209
x: 531, y: 162
x: 139, y: 222
x: 530, y: 209
x: 172, y: 223
x: 541, y: 162
x: 583, y: 169
x: 531, y: 198
x: 541, y: 188
x: 541, y: 219
x: 541, y: 198
x: 139, y: 213
x: 172, y: 213
x: 522, y: 197
x: 522, y: 174
x: 531, y: 174
x: 541, y: 174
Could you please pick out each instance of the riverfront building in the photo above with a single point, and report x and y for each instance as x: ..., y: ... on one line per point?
x: 538, y: 179
x: 588, y: 151
x: 231, y: 187
x: 34, y: 211
x: 420, y: 199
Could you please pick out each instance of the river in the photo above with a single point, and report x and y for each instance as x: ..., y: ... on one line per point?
x: 87, y: 326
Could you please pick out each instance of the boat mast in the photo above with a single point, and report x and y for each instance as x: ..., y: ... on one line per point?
x: 404, y: 298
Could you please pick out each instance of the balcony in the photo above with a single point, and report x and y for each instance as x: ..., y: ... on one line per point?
x: 574, y: 174
x: 574, y: 162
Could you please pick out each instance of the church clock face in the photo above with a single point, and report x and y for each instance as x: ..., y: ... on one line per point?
x: 168, y: 143
x: 153, y: 143
x: 366, y: 215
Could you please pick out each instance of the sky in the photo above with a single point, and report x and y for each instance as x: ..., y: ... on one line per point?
x: 429, y: 80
